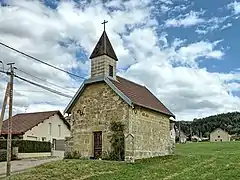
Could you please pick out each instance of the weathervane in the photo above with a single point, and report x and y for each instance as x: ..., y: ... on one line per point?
x: 104, y: 22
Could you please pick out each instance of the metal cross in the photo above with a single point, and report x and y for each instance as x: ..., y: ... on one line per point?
x: 104, y: 22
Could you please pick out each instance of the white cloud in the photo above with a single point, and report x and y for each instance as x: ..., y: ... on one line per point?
x: 212, y: 24
x: 35, y: 29
x: 190, y: 54
x: 190, y: 19
x: 235, y: 6
x: 226, y: 26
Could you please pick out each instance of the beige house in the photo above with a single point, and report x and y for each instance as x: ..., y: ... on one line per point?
x: 38, y: 126
x: 219, y: 135
x: 106, y: 97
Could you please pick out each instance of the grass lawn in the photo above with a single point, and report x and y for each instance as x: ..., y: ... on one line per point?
x: 193, y: 161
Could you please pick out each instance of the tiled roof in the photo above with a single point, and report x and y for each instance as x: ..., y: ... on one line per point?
x: 26, y: 121
x: 140, y: 95
x: 103, y: 47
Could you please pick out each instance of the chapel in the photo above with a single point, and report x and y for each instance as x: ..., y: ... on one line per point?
x: 106, y: 97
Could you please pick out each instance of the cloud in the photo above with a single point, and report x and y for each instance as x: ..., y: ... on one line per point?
x: 212, y: 24
x: 235, y: 6
x: 191, y: 53
x: 190, y: 19
x: 65, y: 36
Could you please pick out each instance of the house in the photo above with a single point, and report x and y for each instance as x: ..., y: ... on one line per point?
x: 219, y: 135
x: 106, y: 97
x: 182, y: 138
x: 38, y: 126
x: 172, y: 133
x: 195, y: 138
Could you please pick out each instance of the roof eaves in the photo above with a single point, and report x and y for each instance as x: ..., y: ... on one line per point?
x: 160, y: 102
x: 67, y: 109
x: 120, y: 93
x: 148, y: 107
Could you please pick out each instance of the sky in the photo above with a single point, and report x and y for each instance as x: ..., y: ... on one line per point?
x: 184, y: 51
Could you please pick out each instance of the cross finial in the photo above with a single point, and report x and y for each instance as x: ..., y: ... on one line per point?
x: 104, y: 22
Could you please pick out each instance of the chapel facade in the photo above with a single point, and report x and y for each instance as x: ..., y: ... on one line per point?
x: 106, y: 97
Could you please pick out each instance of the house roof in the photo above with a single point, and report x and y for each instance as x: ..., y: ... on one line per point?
x: 140, y: 95
x: 224, y: 130
x: 132, y: 93
x: 103, y: 47
x: 21, y: 123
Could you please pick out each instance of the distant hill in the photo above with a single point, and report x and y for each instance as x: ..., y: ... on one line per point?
x: 204, y: 126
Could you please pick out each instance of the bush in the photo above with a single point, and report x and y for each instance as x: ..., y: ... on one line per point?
x: 3, y: 155
x: 117, y: 141
x: 72, y: 155
x: 26, y: 146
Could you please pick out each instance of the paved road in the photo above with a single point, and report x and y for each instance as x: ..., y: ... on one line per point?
x: 21, y: 165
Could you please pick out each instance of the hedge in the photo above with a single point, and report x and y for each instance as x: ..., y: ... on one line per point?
x: 3, y: 155
x: 26, y: 146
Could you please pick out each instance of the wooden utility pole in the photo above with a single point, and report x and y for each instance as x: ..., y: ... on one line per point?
x: 190, y: 132
x: 179, y: 128
x: 9, y: 140
x: 4, y: 106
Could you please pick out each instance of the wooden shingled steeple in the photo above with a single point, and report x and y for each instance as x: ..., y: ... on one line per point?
x: 103, y: 47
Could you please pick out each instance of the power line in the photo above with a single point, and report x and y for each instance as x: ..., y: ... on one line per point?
x: 36, y: 59
x: 43, y: 87
x: 41, y: 79
x: 39, y: 85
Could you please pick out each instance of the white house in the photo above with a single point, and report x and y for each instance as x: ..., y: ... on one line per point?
x: 38, y: 126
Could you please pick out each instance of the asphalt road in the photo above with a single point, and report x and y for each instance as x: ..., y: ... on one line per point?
x: 24, y: 164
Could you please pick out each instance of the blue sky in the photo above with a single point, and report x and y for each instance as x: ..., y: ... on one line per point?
x: 186, y: 52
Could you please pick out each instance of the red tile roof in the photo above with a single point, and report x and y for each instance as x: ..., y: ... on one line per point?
x: 26, y: 121
x: 140, y: 95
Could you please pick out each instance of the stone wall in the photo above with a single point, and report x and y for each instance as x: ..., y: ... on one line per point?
x: 151, y: 133
x: 95, y: 109
x: 100, y: 66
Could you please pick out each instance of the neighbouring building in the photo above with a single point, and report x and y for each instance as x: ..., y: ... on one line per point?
x: 38, y: 126
x: 195, y: 138
x: 172, y: 133
x: 106, y: 97
x: 219, y: 135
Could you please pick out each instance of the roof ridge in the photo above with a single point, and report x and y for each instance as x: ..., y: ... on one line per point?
x: 37, y: 112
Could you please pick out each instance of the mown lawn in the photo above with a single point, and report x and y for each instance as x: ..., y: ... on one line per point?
x: 193, y: 161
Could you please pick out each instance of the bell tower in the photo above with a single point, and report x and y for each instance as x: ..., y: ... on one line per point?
x: 103, y: 58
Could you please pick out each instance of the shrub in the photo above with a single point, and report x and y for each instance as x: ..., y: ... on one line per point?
x: 72, y: 155
x: 117, y: 141
x: 26, y: 146
x: 3, y: 155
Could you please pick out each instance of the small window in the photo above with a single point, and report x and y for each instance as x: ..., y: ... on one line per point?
x: 50, y: 128
x: 59, y: 130
x: 221, y: 140
x: 110, y: 70
x: 218, y: 136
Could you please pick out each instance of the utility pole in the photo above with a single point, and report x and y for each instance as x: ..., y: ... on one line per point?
x: 179, y: 129
x: 190, y: 132
x: 9, y: 139
x: 4, y: 106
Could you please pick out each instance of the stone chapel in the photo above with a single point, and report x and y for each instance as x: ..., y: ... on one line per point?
x: 106, y: 97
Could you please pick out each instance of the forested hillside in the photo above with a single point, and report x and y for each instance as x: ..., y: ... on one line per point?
x: 203, y: 126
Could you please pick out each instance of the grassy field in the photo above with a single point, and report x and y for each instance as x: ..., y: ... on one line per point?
x: 193, y: 161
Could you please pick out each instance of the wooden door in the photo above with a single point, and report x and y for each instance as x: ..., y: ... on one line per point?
x: 97, y: 144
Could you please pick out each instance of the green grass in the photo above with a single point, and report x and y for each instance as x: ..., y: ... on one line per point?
x: 193, y: 161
